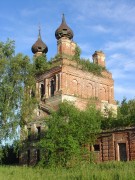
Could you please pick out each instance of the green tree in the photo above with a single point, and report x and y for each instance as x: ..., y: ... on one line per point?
x: 69, y: 129
x: 16, y: 77
x: 77, y: 54
x: 126, y: 113
x: 40, y: 64
x: 125, y: 116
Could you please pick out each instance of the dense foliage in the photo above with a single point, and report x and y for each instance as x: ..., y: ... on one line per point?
x: 85, y: 64
x: 82, y: 63
x: 125, y: 116
x: 40, y: 64
x: 9, y: 156
x: 69, y: 130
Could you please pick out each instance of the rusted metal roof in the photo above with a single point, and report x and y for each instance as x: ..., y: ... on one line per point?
x: 63, y: 30
x: 39, y: 45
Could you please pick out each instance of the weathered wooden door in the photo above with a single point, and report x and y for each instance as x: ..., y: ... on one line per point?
x: 122, y: 152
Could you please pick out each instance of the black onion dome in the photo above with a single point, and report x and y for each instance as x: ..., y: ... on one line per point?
x: 63, y: 30
x: 39, y: 45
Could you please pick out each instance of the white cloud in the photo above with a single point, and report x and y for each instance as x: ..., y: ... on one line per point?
x: 128, y: 44
x: 30, y: 11
x: 112, y: 9
x: 85, y: 47
x: 123, y: 91
x: 116, y: 58
x: 122, y: 75
x: 130, y: 66
x: 99, y: 28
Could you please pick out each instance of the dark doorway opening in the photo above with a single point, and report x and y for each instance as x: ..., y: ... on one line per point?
x: 53, y: 86
x: 38, y: 155
x: 42, y: 90
x: 122, y: 152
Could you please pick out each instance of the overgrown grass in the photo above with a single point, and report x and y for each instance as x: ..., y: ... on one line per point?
x: 101, y: 171
x: 88, y: 66
x: 82, y: 63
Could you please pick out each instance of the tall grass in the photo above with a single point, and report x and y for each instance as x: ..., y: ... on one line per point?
x: 101, y: 171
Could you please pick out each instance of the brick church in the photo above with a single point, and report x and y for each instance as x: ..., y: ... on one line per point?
x: 67, y: 81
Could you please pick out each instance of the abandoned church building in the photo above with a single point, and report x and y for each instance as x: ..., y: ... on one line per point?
x: 67, y: 81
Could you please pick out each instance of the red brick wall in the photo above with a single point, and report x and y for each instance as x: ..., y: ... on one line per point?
x: 84, y: 84
x: 109, y: 144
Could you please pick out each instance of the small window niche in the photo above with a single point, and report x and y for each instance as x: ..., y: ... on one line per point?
x: 96, y: 147
x: 64, y: 31
x: 38, y: 132
x: 40, y: 48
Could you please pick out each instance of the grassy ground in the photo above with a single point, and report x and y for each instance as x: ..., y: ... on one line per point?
x: 102, y: 171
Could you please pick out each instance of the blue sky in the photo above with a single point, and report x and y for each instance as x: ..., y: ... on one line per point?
x: 106, y: 25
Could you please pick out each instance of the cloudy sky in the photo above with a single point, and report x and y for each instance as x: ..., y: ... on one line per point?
x: 107, y: 25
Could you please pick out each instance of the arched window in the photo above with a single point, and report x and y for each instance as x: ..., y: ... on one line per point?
x: 90, y: 89
x: 74, y: 87
x: 103, y: 93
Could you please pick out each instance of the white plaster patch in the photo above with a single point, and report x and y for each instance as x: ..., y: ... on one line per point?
x: 68, y: 98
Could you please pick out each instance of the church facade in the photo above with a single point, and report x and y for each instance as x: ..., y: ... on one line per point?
x: 67, y: 81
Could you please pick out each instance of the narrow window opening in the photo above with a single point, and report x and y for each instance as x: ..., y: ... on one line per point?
x: 38, y: 155
x: 38, y: 132
x: 58, y: 81
x: 32, y: 93
x: 53, y: 86
x: 28, y: 157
